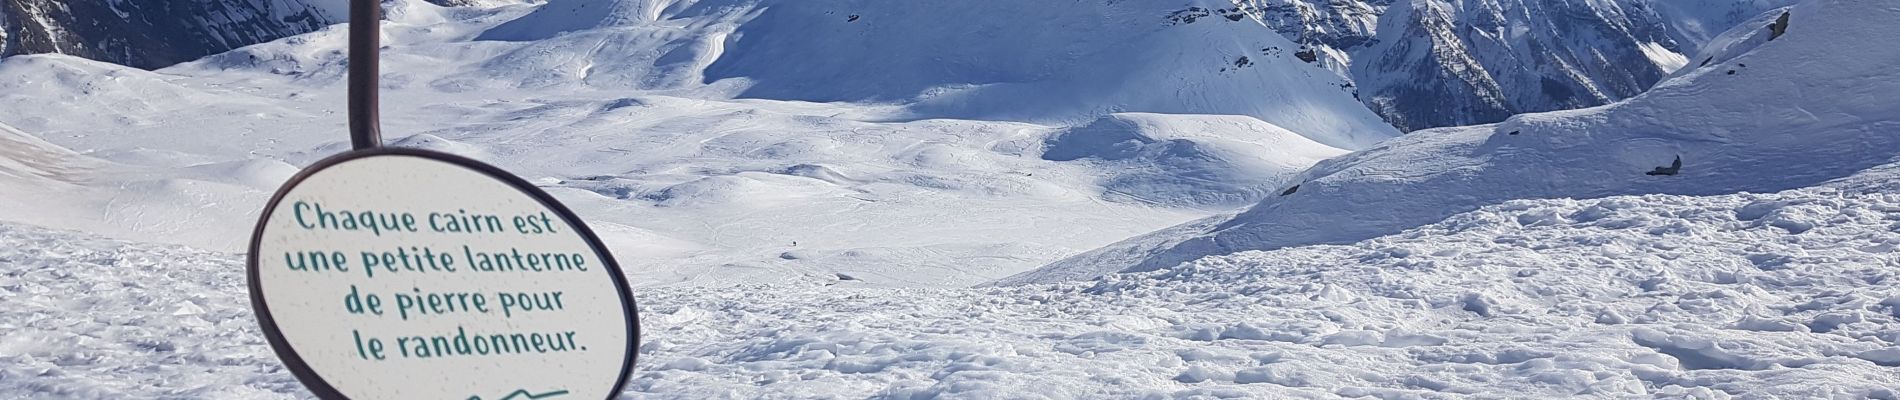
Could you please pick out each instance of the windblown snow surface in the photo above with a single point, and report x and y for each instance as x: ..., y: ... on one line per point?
x: 794, y: 241
x: 1786, y: 295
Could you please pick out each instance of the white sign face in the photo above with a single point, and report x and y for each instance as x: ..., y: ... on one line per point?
x: 404, y: 274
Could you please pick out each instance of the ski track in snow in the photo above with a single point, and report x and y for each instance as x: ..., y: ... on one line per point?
x: 1788, y: 295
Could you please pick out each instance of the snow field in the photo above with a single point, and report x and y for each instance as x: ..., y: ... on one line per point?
x: 1794, y: 294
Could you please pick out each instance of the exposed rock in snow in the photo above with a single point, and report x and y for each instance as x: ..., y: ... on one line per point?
x: 1437, y: 63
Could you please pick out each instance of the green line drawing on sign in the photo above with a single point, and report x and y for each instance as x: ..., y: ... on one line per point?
x: 524, y: 394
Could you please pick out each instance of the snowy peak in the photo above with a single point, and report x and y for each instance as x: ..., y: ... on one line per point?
x: 152, y: 34
x: 1438, y: 63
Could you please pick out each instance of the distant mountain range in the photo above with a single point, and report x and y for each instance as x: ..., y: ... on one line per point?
x: 1416, y: 63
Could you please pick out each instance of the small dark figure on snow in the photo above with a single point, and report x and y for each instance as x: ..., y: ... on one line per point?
x: 1671, y: 170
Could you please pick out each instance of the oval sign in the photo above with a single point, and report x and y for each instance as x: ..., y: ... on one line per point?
x: 409, y: 274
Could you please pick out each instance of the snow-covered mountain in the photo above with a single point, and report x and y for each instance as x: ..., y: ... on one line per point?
x: 1435, y: 63
x: 154, y: 34
x: 683, y: 119
x: 1769, y: 112
x: 1023, y: 61
x: 642, y: 114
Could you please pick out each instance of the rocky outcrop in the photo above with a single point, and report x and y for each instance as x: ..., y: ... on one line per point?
x: 1433, y: 63
x: 151, y: 34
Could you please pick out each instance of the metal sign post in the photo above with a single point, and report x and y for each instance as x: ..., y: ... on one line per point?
x: 366, y: 31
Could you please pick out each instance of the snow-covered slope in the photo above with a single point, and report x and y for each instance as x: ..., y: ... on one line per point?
x: 154, y: 34
x: 1738, y: 42
x: 1787, y: 295
x: 1023, y: 61
x: 686, y: 190
x: 146, y: 195
x: 25, y: 159
x: 1800, y: 110
x: 1040, y: 61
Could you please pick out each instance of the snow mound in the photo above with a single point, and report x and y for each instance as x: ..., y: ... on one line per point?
x: 261, y: 174
x: 1785, y: 295
x: 751, y: 190
x: 1798, y: 111
x: 88, y: 105
x: 36, y: 87
x: 1177, y: 160
x: 437, y: 143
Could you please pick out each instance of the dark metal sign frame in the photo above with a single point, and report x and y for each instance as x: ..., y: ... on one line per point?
x: 309, y: 376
